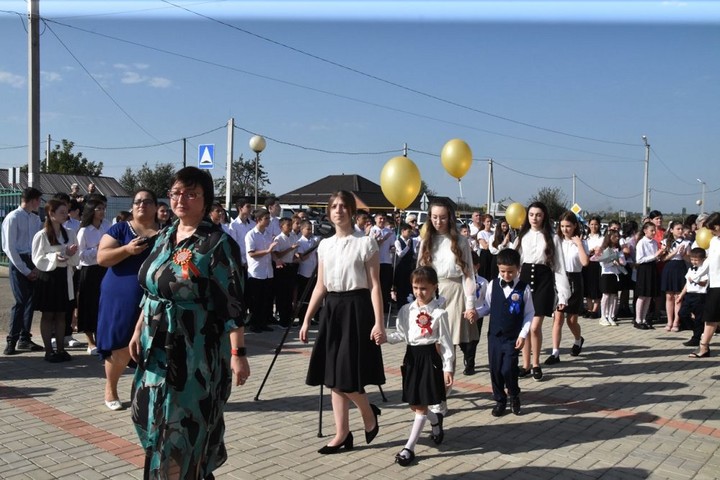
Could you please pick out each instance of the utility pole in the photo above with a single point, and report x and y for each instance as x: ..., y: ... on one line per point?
x: 491, y: 188
x: 573, y: 200
x: 34, y: 93
x: 47, y: 154
x: 228, y: 174
x: 184, y: 152
x: 646, y: 193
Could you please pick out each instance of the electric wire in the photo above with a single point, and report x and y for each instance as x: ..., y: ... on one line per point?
x: 668, y: 168
x: 160, y: 144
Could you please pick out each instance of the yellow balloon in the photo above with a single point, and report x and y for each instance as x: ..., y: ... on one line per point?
x: 515, y: 215
x: 703, y: 237
x: 456, y: 157
x: 400, y: 181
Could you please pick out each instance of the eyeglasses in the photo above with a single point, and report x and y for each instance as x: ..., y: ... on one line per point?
x: 102, y: 209
x: 144, y: 201
x: 186, y: 195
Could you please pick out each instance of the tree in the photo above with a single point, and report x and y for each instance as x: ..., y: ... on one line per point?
x: 62, y: 160
x: 156, y: 180
x: 243, y: 179
x: 554, y: 199
x: 425, y: 188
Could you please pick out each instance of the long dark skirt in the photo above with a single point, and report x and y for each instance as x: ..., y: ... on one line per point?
x: 88, y: 297
x: 344, y: 357
x: 422, y: 375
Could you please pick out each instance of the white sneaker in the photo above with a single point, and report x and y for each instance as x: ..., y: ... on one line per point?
x: 440, y: 408
x: 604, y: 322
x: 71, y: 342
x: 92, y: 351
x: 612, y: 322
x: 53, y: 343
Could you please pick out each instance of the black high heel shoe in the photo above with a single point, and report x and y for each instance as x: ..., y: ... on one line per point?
x: 329, y: 449
x: 370, y: 436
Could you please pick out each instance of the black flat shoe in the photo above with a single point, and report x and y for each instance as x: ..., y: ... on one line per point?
x: 437, y: 439
x: 499, y: 409
x: 330, y: 449
x: 405, y: 460
x: 370, y: 436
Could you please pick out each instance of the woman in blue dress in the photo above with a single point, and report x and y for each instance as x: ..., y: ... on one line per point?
x: 122, y: 249
x: 189, y: 342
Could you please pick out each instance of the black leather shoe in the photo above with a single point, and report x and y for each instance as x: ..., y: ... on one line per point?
x: 329, y: 449
x: 404, y: 459
x: 552, y: 360
x: 499, y: 409
x: 369, y: 436
x: 576, y: 349
x: 523, y: 372
x: 692, y: 343
x: 537, y: 373
x: 469, y: 371
x: 438, y: 438
x: 10, y: 349
x: 515, y: 405
x: 29, y: 345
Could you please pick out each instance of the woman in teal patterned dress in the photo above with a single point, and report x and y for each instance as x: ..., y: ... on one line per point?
x: 188, y: 342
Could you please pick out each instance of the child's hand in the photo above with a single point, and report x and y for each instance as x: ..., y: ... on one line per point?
x: 678, y: 300
x: 519, y: 343
x: 470, y: 316
x: 448, y: 379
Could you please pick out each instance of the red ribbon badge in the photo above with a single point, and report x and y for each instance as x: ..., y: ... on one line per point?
x: 423, y: 321
x: 183, y: 257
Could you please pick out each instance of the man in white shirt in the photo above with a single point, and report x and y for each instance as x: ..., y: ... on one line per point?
x: 385, y: 240
x: 240, y: 227
x: 272, y: 204
x: 476, y: 224
x: 259, y: 246
x: 18, y: 230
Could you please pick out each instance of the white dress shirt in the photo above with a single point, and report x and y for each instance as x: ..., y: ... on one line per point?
x: 239, y: 228
x: 528, y: 313
x: 259, y: 267
x: 45, y: 256
x: 18, y: 230
x: 344, y: 260
x: 533, y: 251
x: 88, y: 241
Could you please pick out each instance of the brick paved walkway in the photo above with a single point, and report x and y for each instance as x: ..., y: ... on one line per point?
x: 631, y: 406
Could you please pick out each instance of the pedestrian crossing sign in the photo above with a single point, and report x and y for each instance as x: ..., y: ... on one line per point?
x: 206, y: 156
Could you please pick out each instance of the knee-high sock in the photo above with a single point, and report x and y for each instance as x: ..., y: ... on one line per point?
x: 432, y: 416
x: 643, y: 303
x: 415, y: 432
x: 612, y: 306
x: 604, y: 305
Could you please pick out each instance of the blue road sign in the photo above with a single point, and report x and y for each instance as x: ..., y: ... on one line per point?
x: 206, y: 156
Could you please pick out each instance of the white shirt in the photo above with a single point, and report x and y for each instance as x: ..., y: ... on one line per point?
x: 410, y: 243
x: 45, y: 256
x: 694, y: 276
x: 383, y: 237
x: 481, y: 286
x: 88, y: 241
x: 18, y: 230
x: 285, y: 242
x: 571, y: 255
x: 528, y: 313
x: 259, y: 267
x: 681, y: 247
x: 487, y: 236
x: 646, y: 250
x: 344, y: 261
x: 408, y: 331
x: 594, y: 240
x: 713, y: 263
x: 238, y: 230
x: 72, y: 224
x: 445, y: 264
x: 533, y: 251
x: 308, y: 264
x: 609, y: 267
x: 274, y: 227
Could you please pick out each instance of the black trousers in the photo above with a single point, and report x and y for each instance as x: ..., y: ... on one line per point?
x: 503, y: 359
x: 260, y: 297
x: 386, y: 281
x: 693, y: 303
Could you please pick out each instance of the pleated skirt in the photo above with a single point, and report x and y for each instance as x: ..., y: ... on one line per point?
x: 646, y: 282
x: 422, y: 375
x: 673, y: 276
x: 344, y: 357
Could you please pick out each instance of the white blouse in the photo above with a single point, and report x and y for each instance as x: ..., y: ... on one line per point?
x: 487, y: 236
x: 594, y: 240
x: 571, y: 255
x: 344, y: 260
x: 681, y: 248
x: 646, y: 250
x: 408, y: 331
x: 45, y: 256
x: 88, y: 241
x: 533, y: 251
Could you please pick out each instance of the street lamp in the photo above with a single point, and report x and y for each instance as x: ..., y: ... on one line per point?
x: 702, y: 197
x: 257, y: 145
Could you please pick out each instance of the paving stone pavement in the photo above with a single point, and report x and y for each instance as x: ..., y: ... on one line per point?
x: 631, y: 406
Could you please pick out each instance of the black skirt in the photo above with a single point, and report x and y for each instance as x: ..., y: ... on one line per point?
x: 673, y: 276
x: 591, y: 280
x: 88, y: 297
x: 422, y: 375
x: 575, y: 302
x: 542, y: 284
x: 609, y: 284
x: 344, y: 357
x: 50, y: 291
x: 485, y: 264
x: 646, y: 283
x: 711, y: 313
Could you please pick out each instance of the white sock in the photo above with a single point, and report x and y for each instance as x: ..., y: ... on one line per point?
x: 432, y: 416
x: 578, y: 341
x: 417, y: 429
x: 556, y: 352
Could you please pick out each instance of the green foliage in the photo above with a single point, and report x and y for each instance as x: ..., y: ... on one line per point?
x: 554, y: 199
x: 62, y: 160
x: 425, y: 188
x: 243, y: 180
x: 156, y: 180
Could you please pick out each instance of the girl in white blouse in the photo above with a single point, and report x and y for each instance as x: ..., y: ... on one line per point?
x: 612, y: 265
x: 711, y: 314
x: 647, y: 252
x: 574, y: 251
x: 591, y: 272
x: 543, y: 268
x: 672, y: 279
x: 346, y: 356
x: 92, y: 228
x: 427, y: 368
x: 54, y: 253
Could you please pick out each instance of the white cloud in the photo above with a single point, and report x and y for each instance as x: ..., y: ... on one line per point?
x: 132, y: 78
x: 141, y: 66
x: 15, y: 81
x: 121, y: 66
x: 50, y: 76
x: 159, y: 82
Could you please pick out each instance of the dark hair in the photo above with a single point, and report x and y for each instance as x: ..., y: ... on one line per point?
x: 285, y: 220
x: 194, y: 177
x: 73, y: 205
x: 475, y: 258
x: 50, y: 207
x: 712, y: 221
x: 629, y: 228
x: 485, y: 217
x: 97, y: 197
x: 162, y: 204
x: 606, y: 240
x: 241, y: 202
x: 347, y: 198
x: 430, y: 231
x: 123, y: 216
x: 305, y: 223
x: 669, y: 237
x: 149, y: 192
x: 690, y: 220
x: 29, y: 194
x: 424, y: 274
x: 546, y: 229
x: 569, y: 217
x: 62, y: 196
x: 499, y: 234
x: 508, y: 257
x: 405, y: 226
x: 647, y: 225
x: 698, y: 252
x: 270, y: 201
x: 88, y: 213
x: 654, y: 213
x: 260, y: 213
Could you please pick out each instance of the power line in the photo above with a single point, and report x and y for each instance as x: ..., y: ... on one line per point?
x: 395, y: 84
x: 668, y: 168
x: 495, y: 162
x: 154, y: 144
x: 606, y: 194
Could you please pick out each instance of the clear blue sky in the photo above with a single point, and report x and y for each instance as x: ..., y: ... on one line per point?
x: 519, y: 81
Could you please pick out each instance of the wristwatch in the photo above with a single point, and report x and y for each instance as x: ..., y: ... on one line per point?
x: 238, y: 352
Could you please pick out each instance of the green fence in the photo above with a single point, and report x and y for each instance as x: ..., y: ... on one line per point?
x: 9, y: 201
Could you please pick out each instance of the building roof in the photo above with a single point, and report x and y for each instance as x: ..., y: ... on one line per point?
x: 52, y: 183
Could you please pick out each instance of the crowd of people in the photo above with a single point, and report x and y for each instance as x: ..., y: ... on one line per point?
x: 170, y: 290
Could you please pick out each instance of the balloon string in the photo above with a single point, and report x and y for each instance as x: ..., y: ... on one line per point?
x: 460, y: 185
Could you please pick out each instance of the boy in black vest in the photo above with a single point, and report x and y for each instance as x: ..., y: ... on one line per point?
x: 509, y: 302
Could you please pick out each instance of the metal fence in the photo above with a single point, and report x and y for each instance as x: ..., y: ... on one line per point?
x: 9, y: 201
